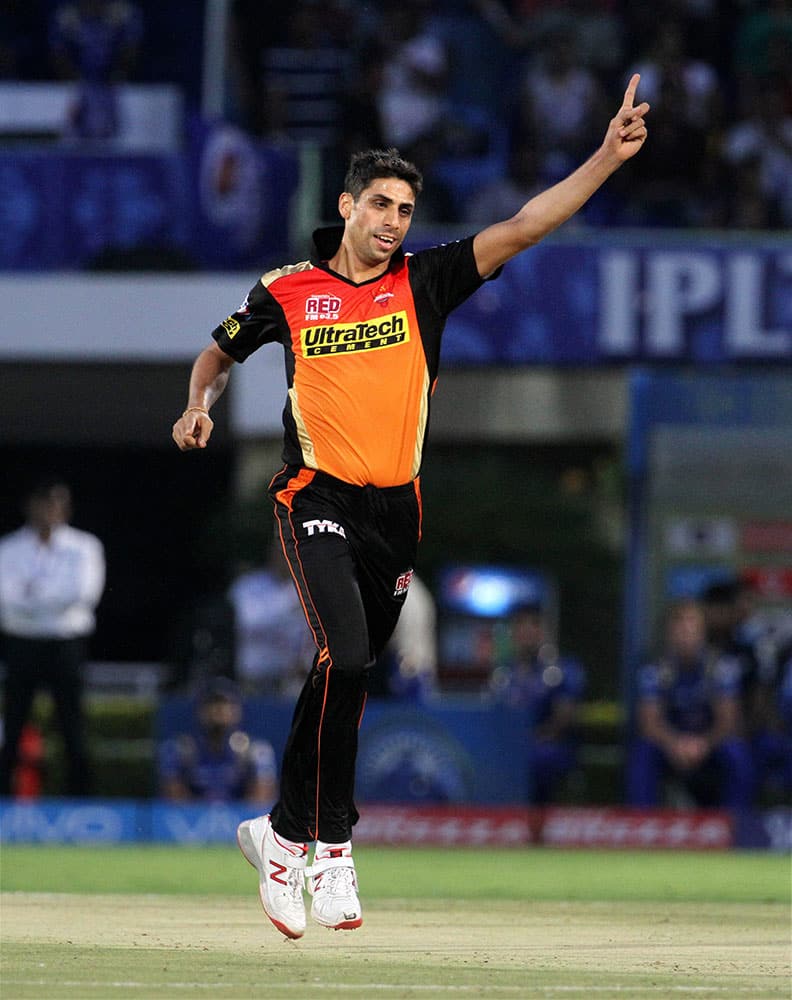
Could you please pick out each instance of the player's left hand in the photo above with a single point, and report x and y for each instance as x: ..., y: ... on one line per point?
x: 627, y: 129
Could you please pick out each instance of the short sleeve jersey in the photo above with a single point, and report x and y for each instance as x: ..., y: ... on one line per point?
x: 361, y: 359
x: 688, y: 694
x: 217, y: 776
x: 540, y: 686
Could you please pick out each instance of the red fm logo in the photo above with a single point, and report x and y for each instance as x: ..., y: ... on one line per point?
x: 322, y: 307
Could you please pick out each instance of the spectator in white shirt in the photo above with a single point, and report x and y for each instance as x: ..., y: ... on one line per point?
x: 272, y: 639
x: 51, y: 580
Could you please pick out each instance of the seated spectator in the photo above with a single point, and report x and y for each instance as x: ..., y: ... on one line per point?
x: 734, y: 630
x: 557, y: 80
x: 667, y: 192
x: 412, y: 99
x: 771, y: 736
x: 689, y: 720
x: 524, y: 26
x: 548, y: 688
x: 95, y: 42
x: 505, y: 196
x: 217, y: 761
x: 273, y: 645
x: 762, y: 140
x: 670, y: 75
x: 763, y: 39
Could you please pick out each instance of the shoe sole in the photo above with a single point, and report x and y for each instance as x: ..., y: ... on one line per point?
x: 250, y: 853
x: 345, y: 925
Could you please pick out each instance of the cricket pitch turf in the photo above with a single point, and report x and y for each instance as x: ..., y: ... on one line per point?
x: 109, y: 943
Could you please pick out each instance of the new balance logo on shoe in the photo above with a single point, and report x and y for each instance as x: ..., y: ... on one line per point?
x: 280, y: 864
x: 279, y: 870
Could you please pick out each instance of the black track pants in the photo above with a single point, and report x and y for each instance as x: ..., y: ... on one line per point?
x: 351, y: 551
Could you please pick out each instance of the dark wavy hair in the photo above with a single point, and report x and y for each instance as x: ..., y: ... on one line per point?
x: 366, y: 166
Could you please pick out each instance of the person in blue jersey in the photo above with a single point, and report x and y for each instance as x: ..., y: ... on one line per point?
x: 548, y: 687
x: 771, y: 740
x: 688, y: 720
x: 217, y: 761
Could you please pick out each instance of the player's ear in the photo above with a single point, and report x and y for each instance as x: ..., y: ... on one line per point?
x: 345, y: 203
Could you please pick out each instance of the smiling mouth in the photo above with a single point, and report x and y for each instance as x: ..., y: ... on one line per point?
x: 386, y: 241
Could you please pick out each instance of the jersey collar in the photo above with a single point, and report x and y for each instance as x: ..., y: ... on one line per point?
x: 326, y: 242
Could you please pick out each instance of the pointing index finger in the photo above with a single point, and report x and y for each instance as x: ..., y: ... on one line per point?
x: 629, y: 93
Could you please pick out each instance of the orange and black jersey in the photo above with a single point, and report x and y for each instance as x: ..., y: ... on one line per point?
x: 361, y: 359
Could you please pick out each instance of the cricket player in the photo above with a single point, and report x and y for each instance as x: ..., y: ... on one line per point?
x: 360, y: 323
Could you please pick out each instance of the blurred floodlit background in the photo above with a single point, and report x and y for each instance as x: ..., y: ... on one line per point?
x: 613, y: 419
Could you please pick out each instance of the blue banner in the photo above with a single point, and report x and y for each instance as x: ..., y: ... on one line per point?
x: 223, y: 203
x: 444, y: 752
x: 199, y: 824
x: 73, y: 821
x: 626, y: 298
x: 239, y: 194
x: 59, y: 211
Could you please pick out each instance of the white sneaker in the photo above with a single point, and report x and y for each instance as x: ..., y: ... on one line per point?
x: 281, y: 867
x: 333, y: 884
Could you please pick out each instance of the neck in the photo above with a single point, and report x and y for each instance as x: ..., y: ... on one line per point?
x: 349, y: 266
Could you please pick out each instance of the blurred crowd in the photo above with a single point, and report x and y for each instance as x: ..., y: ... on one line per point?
x: 713, y: 708
x: 494, y: 99
x: 711, y: 716
x: 711, y: 720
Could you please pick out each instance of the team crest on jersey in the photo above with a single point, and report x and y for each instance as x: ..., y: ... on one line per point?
x: 403, y: 583
x: 383, y: 295
x: 322, y: 307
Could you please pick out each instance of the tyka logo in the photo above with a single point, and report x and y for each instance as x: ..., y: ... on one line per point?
x: 322, y: 527
x: 322, y: 307
x: 403, y: 583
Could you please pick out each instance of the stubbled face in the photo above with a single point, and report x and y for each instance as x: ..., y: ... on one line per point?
x: 378, y: 221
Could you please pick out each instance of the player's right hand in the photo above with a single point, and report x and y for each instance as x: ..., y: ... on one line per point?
x: 193, y: 430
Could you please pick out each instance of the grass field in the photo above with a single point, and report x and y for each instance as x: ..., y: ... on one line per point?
x: 151, y: 922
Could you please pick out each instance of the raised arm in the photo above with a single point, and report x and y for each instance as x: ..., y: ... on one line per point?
x: 207, y: 382
x: 625, y: 136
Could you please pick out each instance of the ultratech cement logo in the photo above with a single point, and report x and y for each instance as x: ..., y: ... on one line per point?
x: 345, y: 338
